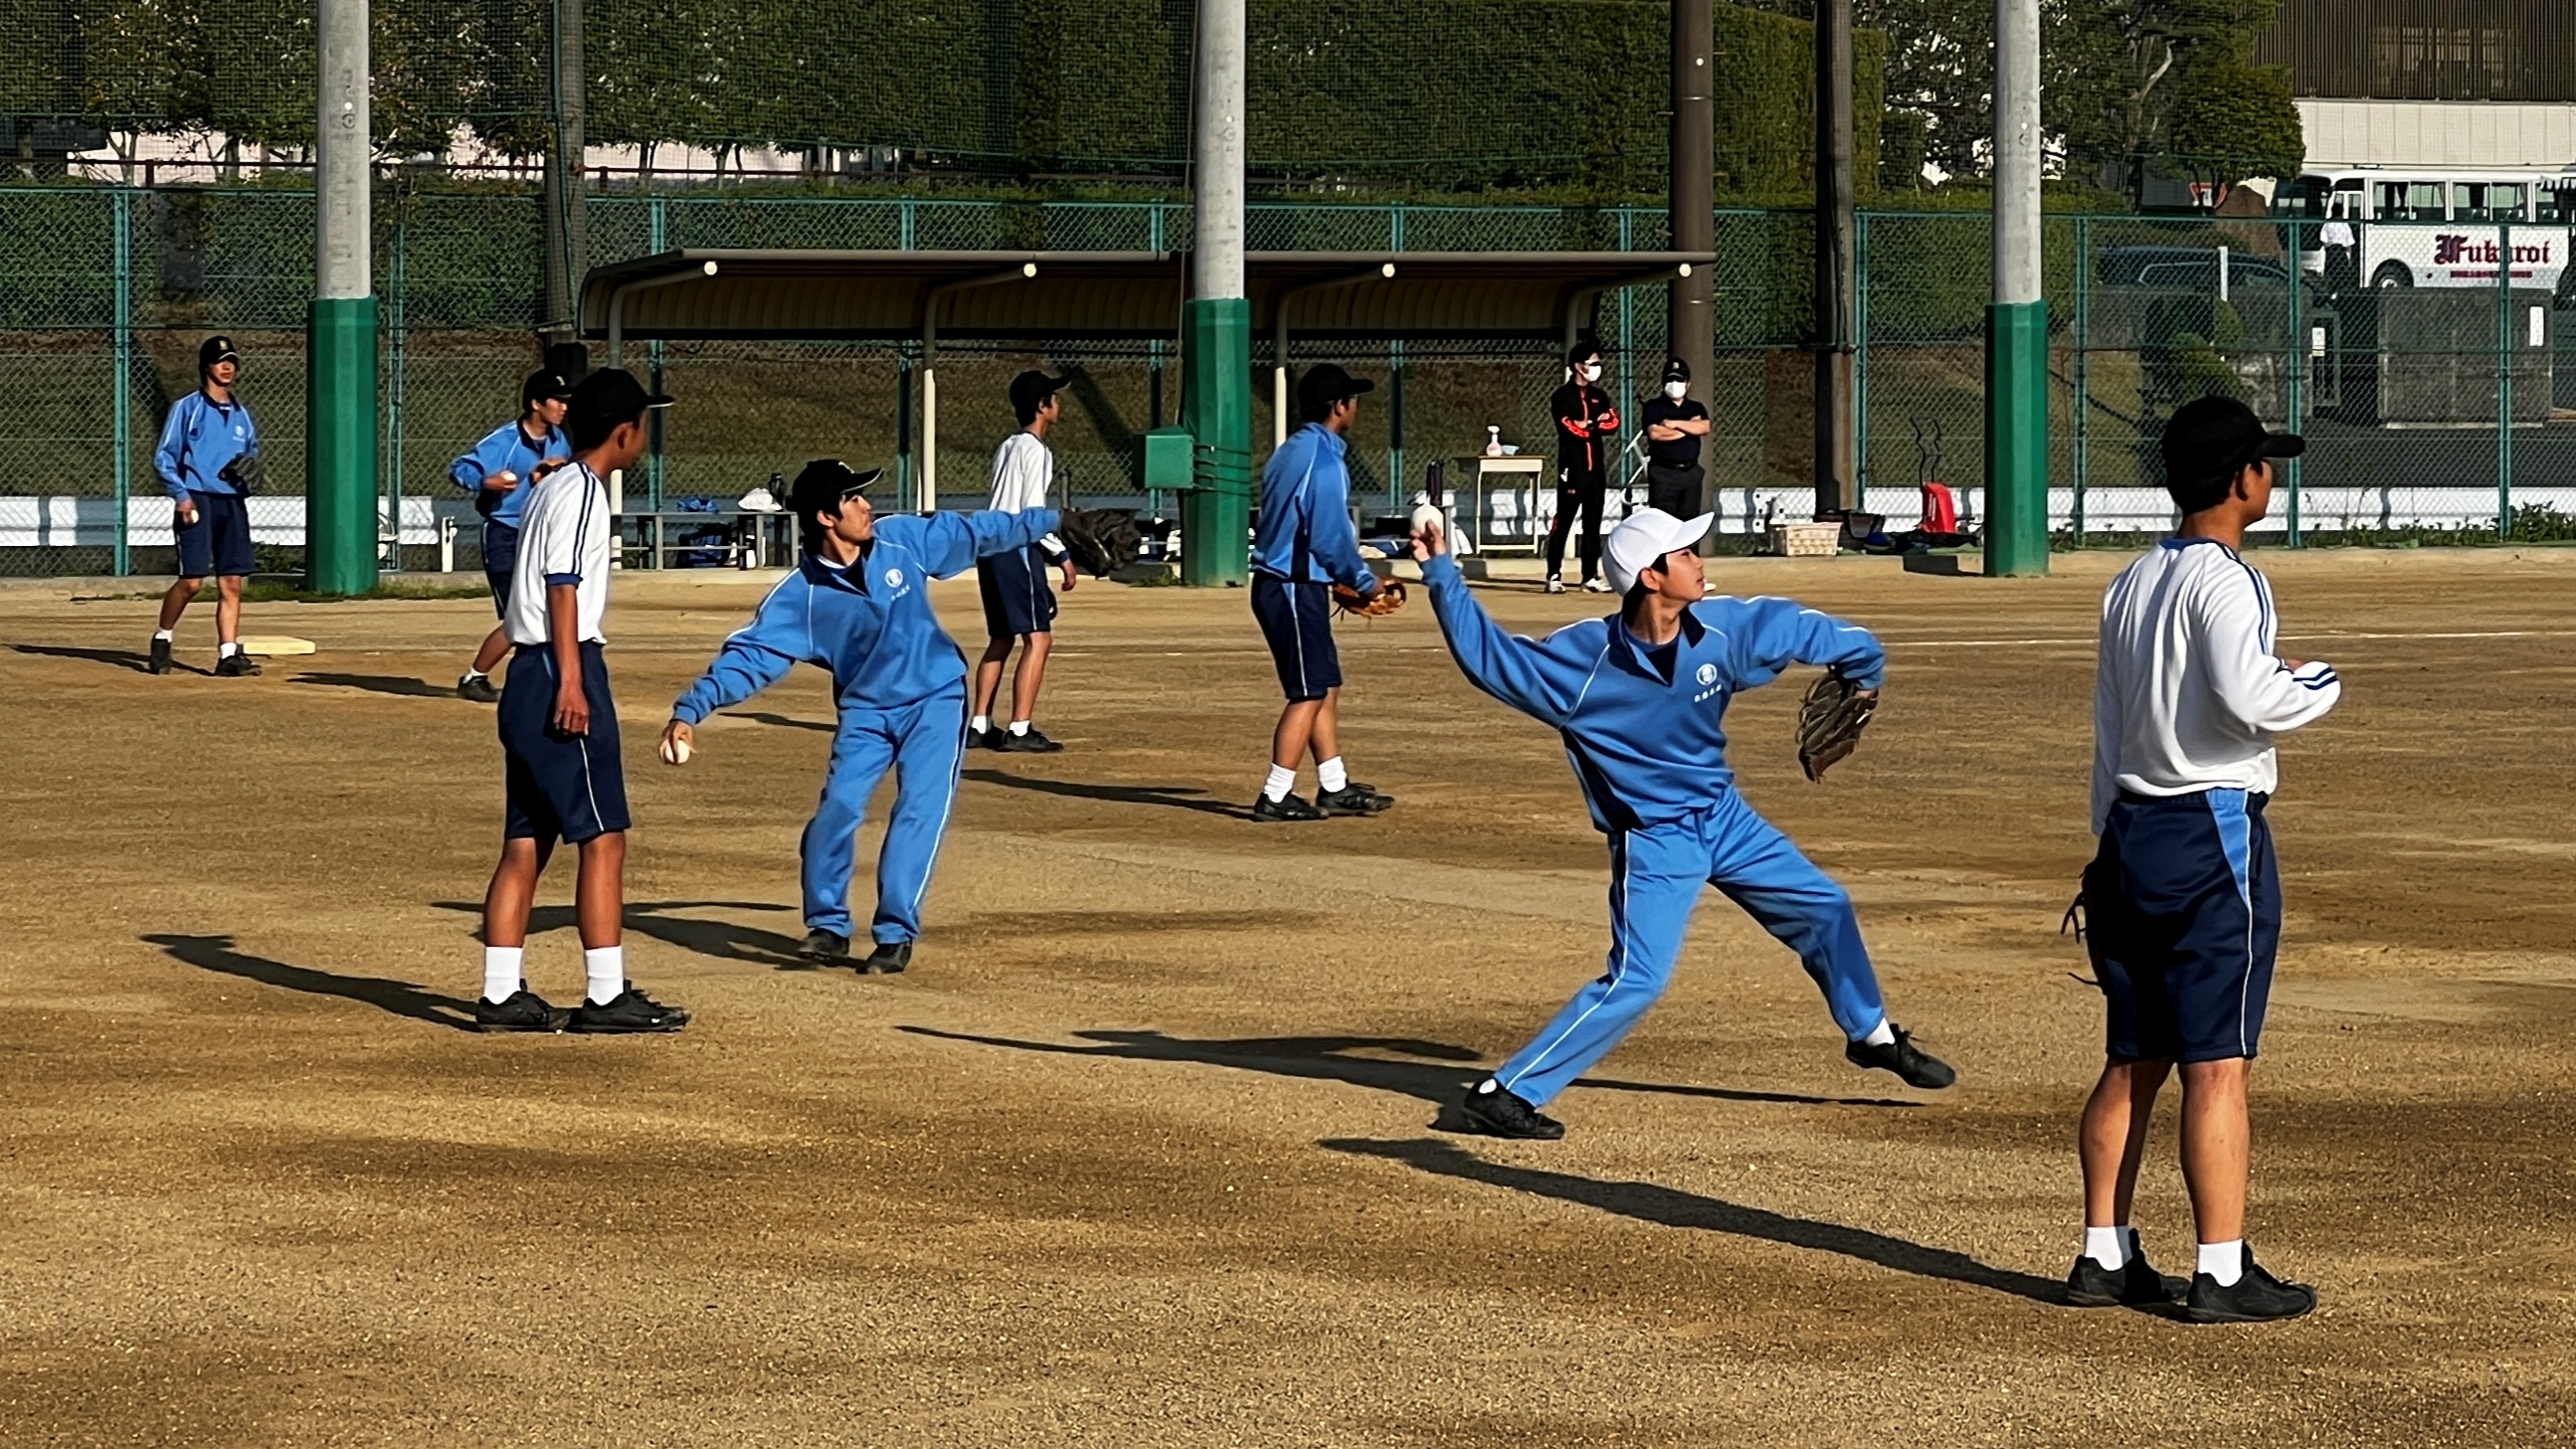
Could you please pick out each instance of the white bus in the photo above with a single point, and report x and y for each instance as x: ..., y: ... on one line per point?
x: 2428, y: 228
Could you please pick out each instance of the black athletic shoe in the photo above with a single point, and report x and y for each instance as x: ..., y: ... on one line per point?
x: 524, y: 1011
x: 478, y: 688
x: 1352, y: 799
x: 979, y: 739
x: 2255, y: 1297
x: 888, y: 959
x: 631, y: 1011
x: 1918, y: 1067
x: 1034, y: 742
x: 1290, y: 806
x: 2090, y: 1285
x: 160, y: 657
x: 1497, y: 1113
x: 829, y: 947
x: 235, y: 665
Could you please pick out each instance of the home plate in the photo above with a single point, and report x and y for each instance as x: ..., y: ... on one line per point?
x: 276, y: 644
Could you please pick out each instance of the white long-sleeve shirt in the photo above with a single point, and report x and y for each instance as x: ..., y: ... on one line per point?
x: 1023, y: 471
x: 2189, y: 693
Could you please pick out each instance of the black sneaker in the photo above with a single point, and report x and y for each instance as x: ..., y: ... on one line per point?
x: 235, y: 665
x: 888, y: 959
x: 1498, y: 1113
x: 2255, y: 1297
x: 1034, y: 742
x: 1918, y: 1067
x: 160, y: 657
x: 2090, y: 1285
x: 524, y: 1011
x: 631, y: 1011
x: 1290, y: 806
x: 1352, y: 799
x: 829, y: 947
x: 478, y: 688
x: 979, y: 739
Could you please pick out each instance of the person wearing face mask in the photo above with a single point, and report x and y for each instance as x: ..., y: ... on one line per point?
x: 1675, y: 422
x: 1587, y: 429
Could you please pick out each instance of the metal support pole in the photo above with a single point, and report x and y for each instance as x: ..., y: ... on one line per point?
x: 2504, y: 380
x: 566, y: 190
x: 397, y: 361
x: 1860, y: 361
x: 1216, y: 321
x: 340, y: 482
x: 2017, y: 321
x: 1394, y: 424
x: 1629, y: 409
x: 122, y: 397
x: 2296, y: 381
x: 1836, y: 277
x: 2083, y: 370
x: 1691, y: 329
x: 658, y: 224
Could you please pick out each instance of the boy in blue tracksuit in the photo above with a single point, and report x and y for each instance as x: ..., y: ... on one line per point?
x: 498, y: 473
x: 1302, y: 544
x: 1640, y: 698
x: 207, y: 443
x: 858, y: 604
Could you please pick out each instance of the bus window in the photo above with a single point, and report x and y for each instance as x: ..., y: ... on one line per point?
x: 2487, y: 201
x: 2556, y: 204
x: 2412, y: 201
x: 2307, y: 198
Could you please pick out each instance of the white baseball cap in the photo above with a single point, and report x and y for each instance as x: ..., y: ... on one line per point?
x: 1644, y: 536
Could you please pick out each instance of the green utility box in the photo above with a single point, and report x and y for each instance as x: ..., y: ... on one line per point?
x: 1165, y: 461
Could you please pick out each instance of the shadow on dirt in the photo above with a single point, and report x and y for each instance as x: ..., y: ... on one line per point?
x: 779, y: 721
x: 1174, y: 796
x: 1320, y: 1058
x: 122, y: 658
x: 721, y: 939
x: 380, y: 684
x: 402, y: 998
x: 1673, y: 1208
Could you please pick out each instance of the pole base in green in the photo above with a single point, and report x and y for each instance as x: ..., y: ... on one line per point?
x: 2017, y: 440
x: 340, y: 477
x: 1216, y: 514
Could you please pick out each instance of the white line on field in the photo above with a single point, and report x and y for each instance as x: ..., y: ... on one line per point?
x: 2286, y: 638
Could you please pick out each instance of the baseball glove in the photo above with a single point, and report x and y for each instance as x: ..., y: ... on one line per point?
x: 1830, y: 722
x: 1388, y: 598
x: 1101, y: 540
x: 245, y: 472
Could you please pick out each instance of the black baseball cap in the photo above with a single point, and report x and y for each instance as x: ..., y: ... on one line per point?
x: 1325, y: 384
x: 542, y: 386
x: 2208, y: 441
x: 825, y: 483
x: 1031, y: 389
x: 217, y: 348
x: 1676, y: 370
x: 607, y: 398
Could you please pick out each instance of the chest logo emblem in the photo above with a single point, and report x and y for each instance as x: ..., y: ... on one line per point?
x: 894, y: 578
x: 1707, y: 674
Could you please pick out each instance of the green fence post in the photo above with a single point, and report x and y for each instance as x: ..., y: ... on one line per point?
x: 658, y: 219
x: 1395, y: 380
x: 1860, y: 361
x: 2298, y: 376
x: 122, y: 395
x: 395, y: 383
x: 2504, y: 380
x: 2080, y: 458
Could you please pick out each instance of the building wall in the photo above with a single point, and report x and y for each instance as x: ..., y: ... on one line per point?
x: 2427, y: 50
x: 2450, y: 134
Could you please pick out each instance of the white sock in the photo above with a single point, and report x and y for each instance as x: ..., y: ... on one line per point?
x: 1331, y: 776
x: 226, y: 651
x: 473, y: 673
x: 980, y: 723
x: 161, y: 636
x: 2223, y: 1261
x: 1882, y: 1034
x: 1276, y: 788
x: 606, y: 967
x: 1019, y: 726
x: 2109, y: 1247
x: 503, y: 967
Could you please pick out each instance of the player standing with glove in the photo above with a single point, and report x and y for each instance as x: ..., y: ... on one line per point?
x: 499, y: 473
x: 2183, y: 896
x: 858, y: 605
x: 1640, y: 698
x: 208, y: 461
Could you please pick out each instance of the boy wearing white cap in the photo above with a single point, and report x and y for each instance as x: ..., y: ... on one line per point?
x: 1640, y: 697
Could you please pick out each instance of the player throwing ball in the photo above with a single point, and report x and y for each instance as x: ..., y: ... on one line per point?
x: 2183, y: 897
x: 858, y: 605
x: 1640, y: 698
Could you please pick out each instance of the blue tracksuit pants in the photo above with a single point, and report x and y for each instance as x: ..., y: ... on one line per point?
x: 923, y: 744
x: 1656, y: 873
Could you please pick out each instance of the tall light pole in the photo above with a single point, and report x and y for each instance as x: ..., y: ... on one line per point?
x: 1837, y: 271
x: 1216, y: 321
x: 566, y: 197
x: 1691, y: 326
x: 340, y: 384
x: 2017, y: 321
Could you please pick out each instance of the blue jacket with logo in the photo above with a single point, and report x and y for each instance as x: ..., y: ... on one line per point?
x: 199, y: 437
x: 870, y: 623
x: 1304, y: 534
x: 506, y: 447
x: 1647, y: 742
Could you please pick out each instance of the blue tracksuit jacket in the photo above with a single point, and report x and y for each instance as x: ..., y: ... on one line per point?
x: 900, y: 682
x: 1643, y: 729
x: 199, y: 437
x: 506, y: 447
x: 1304, y: 534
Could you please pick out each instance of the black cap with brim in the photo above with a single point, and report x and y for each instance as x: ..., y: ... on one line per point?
x: 1325, y: 383
x: 1031, y: 389
x: 544, y: 387
x: 2209, y: 440
x: 607, y: 398
x: 824, y: 483
x: 216, y: 349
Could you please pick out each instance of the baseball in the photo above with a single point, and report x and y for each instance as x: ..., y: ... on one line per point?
x: 1428, y: 516
x: 676, y: 752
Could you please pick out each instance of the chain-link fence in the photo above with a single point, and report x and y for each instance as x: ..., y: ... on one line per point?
x: 2432, y: 399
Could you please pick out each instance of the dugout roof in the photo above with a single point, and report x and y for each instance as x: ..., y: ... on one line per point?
x: 1042, y: 296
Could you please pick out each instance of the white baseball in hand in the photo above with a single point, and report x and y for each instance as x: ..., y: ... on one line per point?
x: 1428, y: 516
x: 676, y: 751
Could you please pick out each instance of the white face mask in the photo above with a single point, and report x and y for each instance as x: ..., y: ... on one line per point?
x: 1592, y: 372
x: 1677, y: 390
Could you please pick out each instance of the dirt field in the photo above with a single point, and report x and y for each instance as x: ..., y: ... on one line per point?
x: 1145, y: 1149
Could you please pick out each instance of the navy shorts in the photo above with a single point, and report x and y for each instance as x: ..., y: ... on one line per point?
x: 2183, y: 905
x: 217, y: 545
x: 500, y: 560
x: 567, y: 787
x: 1017, y: 597
x: 1297, y: 624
